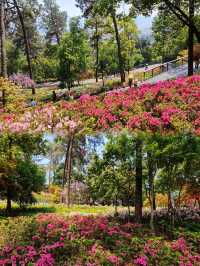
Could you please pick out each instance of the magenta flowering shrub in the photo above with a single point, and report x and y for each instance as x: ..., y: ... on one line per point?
x: 95, y: 241
x: 22, y: 80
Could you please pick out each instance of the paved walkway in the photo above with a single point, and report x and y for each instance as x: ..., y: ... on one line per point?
x: 173, y: 73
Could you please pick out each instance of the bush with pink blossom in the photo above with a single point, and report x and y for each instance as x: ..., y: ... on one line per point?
x: 22, y: 80
x: 95, y: 241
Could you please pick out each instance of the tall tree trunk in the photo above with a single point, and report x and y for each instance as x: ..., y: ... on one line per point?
x: 151, y: 188
x: 26, y: 42
x: 138, y: 181
x: 97, y: 49
x: 154, y: 202
x: 58, y: 39
x: 8, y: 203
x: 121, y: 61
x: 116, y: 205
x: 66, y: 165
x: 3, y: 40
x: 169, y: 200
x: 69, y: 170
x: 8, y: 191
x: 129, y: 197
x: 190, y: 38
x: 171, y: 208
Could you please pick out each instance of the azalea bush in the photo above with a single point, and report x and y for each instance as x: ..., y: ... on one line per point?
x: 89, y: 240
x: 22, y: 80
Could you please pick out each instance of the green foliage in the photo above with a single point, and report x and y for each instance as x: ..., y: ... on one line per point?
x: 129, y: 36
x: 16, y: 231
x: 30, y: 178
x: 45, y: 68
x: 54, y: 21
x: 169, y: 37
x: 145, y: 46
x: 73, y: 53
x: 19, y: 174
x: 175, y: 163
x: 16, y: 58
x: 111, y: 177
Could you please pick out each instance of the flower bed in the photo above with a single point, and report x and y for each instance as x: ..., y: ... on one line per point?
x: 94, y: 241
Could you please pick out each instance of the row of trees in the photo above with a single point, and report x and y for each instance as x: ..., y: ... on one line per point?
x: 54, y: 50
x: 128, y: 170
x: 184, y: 11
x: 37, y: 39
x: 167, y: 165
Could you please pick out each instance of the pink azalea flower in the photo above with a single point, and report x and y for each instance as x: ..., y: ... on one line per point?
x: 142, y: 260
x: 114, y: 259
x: 45, y: 260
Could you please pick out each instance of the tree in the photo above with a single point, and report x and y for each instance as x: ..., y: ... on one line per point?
x: 95, y: 24
x: 191, y: 38
x: 129, y: 37
x: 169, y: 36
x: 70, y: 166
x: 108, y: 62
x: 184, y: 11
x: 74, y: 53
x: 3, y: 40
x: 179, y: 8
x: 19, y: 175
x: 138, y: 180
x: 54, y: 21
x: 110, y: 177
x: 30, y: 178
x: 174, y: 159
x: 21, y: 17
x: 26, y: 41
x: 106, y: 8
x: 16, y: 61
x: 144, y: 44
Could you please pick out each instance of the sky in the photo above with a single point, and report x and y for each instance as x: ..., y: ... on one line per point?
x: 70, y: 7
x: 143, y: 23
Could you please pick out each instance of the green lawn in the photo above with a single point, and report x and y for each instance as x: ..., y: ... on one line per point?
x: 56, y: 208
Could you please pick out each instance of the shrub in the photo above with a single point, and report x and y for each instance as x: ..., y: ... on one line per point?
x: 113, y: 84
x: 22, y: 80
x: 16, y: 231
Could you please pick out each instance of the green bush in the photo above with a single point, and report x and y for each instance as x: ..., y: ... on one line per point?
x: 16, y: 231
x: 45, y: 68
x: 113, y: 84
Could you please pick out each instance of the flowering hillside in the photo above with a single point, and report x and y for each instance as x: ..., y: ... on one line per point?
x: 171, y: 106
x: 166, y: 107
